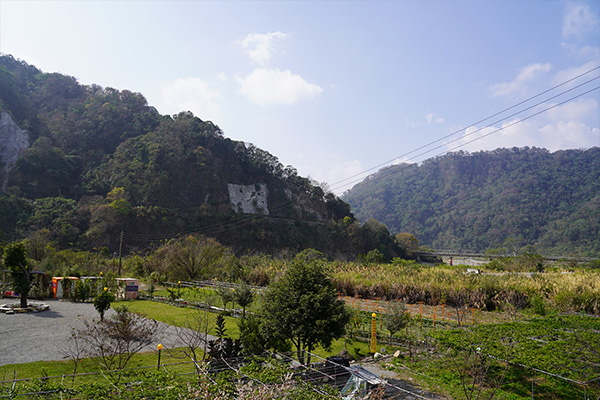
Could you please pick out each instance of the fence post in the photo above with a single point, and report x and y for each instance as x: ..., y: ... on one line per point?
x: 373, y: 333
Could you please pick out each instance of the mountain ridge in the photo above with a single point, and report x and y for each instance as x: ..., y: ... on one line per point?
x: 103, y: 164
x: 477, y: 201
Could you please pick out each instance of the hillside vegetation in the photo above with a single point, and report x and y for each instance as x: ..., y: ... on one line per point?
x: 501, y: 198
x: 96, y: 165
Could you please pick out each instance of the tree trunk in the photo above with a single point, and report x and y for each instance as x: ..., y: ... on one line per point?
x: 24, y: 293
x: 308, y: 356
x: 300, y: 352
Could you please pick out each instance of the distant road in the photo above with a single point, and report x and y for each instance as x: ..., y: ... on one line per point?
x: 488, y: 257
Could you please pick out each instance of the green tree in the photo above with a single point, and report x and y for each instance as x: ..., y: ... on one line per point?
x: 15, y: 260
x: 102, y: 302
x: 243, y: 296
x: 227, y: 295
x: 408, y: 242
x: 302, y: 306
x: 395, y: 319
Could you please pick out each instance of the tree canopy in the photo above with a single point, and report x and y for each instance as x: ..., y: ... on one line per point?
x: 477, y: 201
x: 15, y: 260
x: 103, y: 161
x: 302, y: 306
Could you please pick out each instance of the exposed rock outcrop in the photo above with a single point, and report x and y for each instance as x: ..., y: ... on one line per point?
x: 249, y: 199
x: 13, y: 142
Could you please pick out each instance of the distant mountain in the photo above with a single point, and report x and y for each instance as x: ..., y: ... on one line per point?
x: 83, y: 166
x: 478, y: 201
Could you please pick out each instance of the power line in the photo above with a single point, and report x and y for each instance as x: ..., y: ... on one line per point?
x: 247, y: 219
x: 376, y: 178
x: 341, y: 183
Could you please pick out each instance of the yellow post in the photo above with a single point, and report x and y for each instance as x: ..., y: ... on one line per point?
x: 373, y: 333
x: 159, y: 347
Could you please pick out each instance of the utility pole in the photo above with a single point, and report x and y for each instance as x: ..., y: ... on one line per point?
x: 120, y: 250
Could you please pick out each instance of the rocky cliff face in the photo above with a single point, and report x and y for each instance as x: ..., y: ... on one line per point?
x: 249, y: 199
x: 13, y: 142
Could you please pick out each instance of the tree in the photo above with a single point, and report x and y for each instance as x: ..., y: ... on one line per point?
x: 243, y: 296
x: 481, y: 375
x: 227, y: 295
x: 408, y: 242
x: 15, y: 260
x: 396, y: 319
x: 115, y: 340
x: 102, y: 302
x: 302, y: 306
x: 193, y: 332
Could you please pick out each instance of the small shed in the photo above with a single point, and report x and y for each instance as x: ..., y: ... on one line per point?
x: 128, y: 288
x: 57, y: 286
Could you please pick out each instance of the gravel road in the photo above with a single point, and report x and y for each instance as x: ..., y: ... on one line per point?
x: 31, y: 337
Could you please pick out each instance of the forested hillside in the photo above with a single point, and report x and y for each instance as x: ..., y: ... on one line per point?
x: 84, y: 166
x: 474, y: 202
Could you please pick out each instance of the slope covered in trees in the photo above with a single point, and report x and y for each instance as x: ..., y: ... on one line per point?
x: 474, y: 202
x: 102, y: 164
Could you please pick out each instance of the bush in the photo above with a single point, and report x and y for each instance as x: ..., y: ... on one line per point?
x: 102, y: 302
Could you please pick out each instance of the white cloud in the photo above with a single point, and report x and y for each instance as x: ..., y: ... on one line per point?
x: 580, y: 109
x: 570, y: 73
x: 562, y: 127
x: 569, y: 135
x: 331, y: 168
x: 579, y: 20
x: 191, y: 94
x: 261, y: 46
x: 585, y: 52
x: 432, y: 118
x: 274, y: 86
x: 519, y: 84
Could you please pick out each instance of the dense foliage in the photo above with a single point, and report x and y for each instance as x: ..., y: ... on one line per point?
x: 303, y: 306
x: 104, y: 165
x: 477, y: 201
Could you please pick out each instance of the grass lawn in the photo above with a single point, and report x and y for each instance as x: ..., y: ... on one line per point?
x: 57, y: 369
x: 179, y: 316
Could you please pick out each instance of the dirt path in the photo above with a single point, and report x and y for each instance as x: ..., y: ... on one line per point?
x: 402, y: 389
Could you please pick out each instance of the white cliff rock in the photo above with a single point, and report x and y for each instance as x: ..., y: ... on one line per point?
x: 13, y: 143
x: 249, y: 199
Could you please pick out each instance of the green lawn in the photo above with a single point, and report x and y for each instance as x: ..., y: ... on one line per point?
x: 57, y: 369
x: 180, y: 316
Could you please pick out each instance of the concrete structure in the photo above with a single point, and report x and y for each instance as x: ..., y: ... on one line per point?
x: 128, y: 288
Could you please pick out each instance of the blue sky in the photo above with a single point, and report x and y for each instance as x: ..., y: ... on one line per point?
x: 334, y: 88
